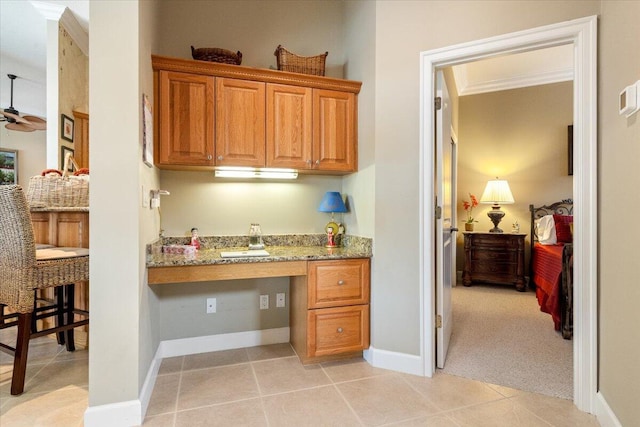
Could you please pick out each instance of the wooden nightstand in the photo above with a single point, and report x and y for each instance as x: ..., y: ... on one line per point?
x: 494, y: 258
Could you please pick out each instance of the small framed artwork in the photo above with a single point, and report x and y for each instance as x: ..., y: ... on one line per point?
x: 570, y: 150
x: 147, y: 132
x: 8, y: 166
x: 64, y: 152
x: 67, y: 128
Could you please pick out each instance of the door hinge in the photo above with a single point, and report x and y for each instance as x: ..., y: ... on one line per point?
x: 438, y: 321
x: 438, y: 103
x: 438, y: 212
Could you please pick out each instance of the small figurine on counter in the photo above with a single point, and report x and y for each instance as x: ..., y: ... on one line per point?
x: 331, y: 243
x: 195, y: 240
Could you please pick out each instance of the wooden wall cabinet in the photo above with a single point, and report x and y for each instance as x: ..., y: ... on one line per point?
x: 186, y: 119
x: 330, y: 310
x: 240, y: 123
x: 262, y: 118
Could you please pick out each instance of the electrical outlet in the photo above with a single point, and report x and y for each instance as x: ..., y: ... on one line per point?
x: 280, y: 299
x: 264, y: 302
x: 211, y: 305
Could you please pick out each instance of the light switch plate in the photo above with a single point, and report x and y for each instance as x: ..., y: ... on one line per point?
x: 630, y: 99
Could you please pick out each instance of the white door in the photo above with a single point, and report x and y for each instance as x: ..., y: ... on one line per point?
x: 446, y: 223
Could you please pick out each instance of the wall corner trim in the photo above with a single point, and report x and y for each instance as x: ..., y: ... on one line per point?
x: 126, y: 413
x: 394, y: 361
x: 606, y: 416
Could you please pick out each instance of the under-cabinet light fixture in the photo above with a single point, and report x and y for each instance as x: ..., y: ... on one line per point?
x: 265, y: 173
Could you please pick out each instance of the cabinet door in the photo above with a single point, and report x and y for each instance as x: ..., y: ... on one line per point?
x: 240, y: 117
x: 41, y: 222
x: 186, y: 119
x: 81, y: 154
x: 289, y: 131
x: 334, y: 136
x: 72, y: 229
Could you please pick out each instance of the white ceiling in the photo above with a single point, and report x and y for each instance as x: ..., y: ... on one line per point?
x: 23, y: 53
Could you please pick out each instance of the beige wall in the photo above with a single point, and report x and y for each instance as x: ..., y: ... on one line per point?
x: 31, y: 151
x: 519, y: 135
x: 119, y: 331
x: 227, y: 207
x: 619, y: 151
x: 425, y: 25
x: 73, y: 84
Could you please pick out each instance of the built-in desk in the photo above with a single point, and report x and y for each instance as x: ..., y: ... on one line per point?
x: 329, y: 292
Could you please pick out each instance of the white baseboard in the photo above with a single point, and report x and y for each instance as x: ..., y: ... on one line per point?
x: 606, y: 416
x: 185, y: 346
x: 114, y: 414
x: 132, y: 413
x: 400, y: 362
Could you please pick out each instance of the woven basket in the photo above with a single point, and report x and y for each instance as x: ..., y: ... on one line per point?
x: 214, y: 54
x: 53, y: 190
x: 288, y: 61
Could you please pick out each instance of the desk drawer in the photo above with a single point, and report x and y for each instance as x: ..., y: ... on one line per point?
x: 338, y: 283
x: 338, y: 330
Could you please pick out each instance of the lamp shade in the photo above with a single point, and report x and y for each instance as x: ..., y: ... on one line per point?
x: 497, y: 192
x: 332, y: 202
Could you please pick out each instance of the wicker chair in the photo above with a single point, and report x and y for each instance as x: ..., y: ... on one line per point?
x: 23, y: 270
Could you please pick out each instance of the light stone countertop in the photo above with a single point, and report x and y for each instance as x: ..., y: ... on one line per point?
x: 355, y: 247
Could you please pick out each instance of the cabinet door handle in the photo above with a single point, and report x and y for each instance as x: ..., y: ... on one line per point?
x: 317, y: 162
x: 220, y: 157
x: 339, y: 330
x: 340, y: 282
x: 209, y: 157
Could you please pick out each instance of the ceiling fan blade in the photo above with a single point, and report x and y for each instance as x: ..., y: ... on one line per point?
x: 36, y: 122
x: 15, y: 117
x: 19, y: 127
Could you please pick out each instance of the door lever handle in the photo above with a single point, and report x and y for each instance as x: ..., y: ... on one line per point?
x: 452, y: 229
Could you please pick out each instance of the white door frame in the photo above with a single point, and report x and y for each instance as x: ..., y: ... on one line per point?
x: 582, y: 34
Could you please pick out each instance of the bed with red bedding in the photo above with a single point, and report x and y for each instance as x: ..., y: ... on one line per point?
x: 551, y: 266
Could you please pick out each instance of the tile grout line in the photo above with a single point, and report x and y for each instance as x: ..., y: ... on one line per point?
x: 335, y: 386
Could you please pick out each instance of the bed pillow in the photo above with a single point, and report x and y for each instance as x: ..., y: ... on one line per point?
x: 546, y: 230
x: 563, y: 225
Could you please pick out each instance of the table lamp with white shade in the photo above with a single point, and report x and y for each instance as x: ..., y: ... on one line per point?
x: 496, y: 193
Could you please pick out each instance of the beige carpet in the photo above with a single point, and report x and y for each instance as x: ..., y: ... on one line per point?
x: 501, y: 337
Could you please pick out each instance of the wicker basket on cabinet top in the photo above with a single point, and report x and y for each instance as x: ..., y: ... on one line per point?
x: 288, y: 61
x: 214, y: 54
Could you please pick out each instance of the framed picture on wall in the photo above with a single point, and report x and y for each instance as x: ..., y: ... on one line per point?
x: 8, y: 166
x: 570, y: 150
x: 63, y: 153
x: 67, y: 128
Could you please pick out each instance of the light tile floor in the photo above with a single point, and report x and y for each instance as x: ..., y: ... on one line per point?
x: 268, y: 386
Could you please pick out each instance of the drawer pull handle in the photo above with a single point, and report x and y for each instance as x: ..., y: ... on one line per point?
x: 340, y: 282
x: 339, y: 330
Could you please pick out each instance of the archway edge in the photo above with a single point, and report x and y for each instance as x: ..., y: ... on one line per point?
x: 582, y: 34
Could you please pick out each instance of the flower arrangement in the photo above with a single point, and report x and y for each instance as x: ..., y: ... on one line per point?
x: 468, y: 207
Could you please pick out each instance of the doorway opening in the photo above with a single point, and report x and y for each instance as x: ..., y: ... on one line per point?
x: 581, y: 34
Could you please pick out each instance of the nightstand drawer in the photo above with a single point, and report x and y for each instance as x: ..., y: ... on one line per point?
x: 494, y: 255
x: 500, y: 268
x: 338, y: 283
x: 338, y: 330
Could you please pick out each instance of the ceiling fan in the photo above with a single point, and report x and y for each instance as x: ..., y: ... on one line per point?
x: 17, y: 122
